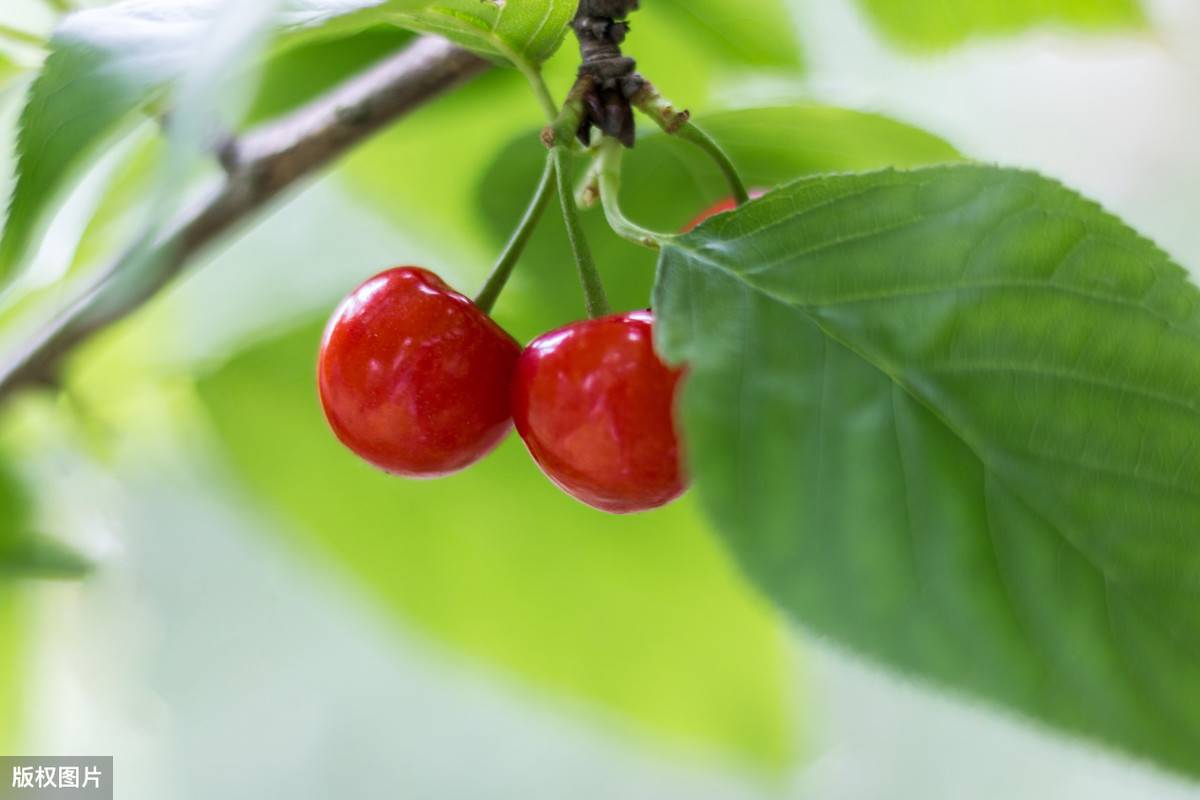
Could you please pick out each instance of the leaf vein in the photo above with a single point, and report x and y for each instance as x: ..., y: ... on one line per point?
x: 1066, y: 376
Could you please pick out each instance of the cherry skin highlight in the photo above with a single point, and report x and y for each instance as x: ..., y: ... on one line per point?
x: 595, y: 406
x: 414, y: 377
x: 719, y: 207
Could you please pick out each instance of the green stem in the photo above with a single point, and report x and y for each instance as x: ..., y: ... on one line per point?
x: 698, y: 136
x: 677, y: 122
x: 563, y: 128
x: 540, y: 89
x: 503, y: 270
x: 593, y: 290
x: 609, y: 174
x: 21, y: 37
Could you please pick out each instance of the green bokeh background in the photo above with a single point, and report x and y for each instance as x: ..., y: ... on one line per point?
x: 638, y: 631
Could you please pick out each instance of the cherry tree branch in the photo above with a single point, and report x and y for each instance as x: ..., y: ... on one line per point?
x: 608, y: 79
x: 260, y: 165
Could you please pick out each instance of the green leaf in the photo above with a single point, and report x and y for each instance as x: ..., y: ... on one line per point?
x: 666, y: 183
x: 641, y: 617
x: 120, y: 213
x: 522, y: 32
x: 26, y: 555
x: 8, y: 70
x: 949, y: 418
x: 301, y: 73
x: 12, y: 671
x: 41, y: 558
x: 939, y: 24
x: 15, y: 37
x: 107, y: 63
x: 749, y: 33
x: 14, y: 505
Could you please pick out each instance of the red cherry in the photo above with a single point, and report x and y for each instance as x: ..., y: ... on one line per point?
x: 719, y: 207
x: 595, y: 406
x: 414, y: 377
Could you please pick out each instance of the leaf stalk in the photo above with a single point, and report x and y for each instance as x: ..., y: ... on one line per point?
x: 608, y: 172
x: 678, y: 122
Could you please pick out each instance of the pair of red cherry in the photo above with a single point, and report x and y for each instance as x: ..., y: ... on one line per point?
x: 419, y: 381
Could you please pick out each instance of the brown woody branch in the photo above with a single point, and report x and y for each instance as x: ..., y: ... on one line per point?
x: 260, y: 165
x: 608, y: 79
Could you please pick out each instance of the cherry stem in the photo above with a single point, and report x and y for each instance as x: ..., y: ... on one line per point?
x: 490, y: 293
x: 593, y: 289
x: 608, y: 172
x: 698, y: 136
x: 565, y: 123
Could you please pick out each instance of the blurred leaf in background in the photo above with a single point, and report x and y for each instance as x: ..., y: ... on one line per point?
x: 693, y: 49
x: 40, y: 557
x: 299, y: 74
x: 23, y: 553
x: 523, y: 32
x: 640, y: 615
x: 13, y: 518
x: 107, y: 63
x: 8, y: 70
x: 12, y: 664
x: 125, y: 179
x: 14, y: 505
x: 104, y: 65
x: 752, y: 34
x: 931, y: 25
x: 120, y: 209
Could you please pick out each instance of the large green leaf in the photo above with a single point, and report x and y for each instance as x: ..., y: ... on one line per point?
x: 938, y: 24
x: 522, y: 32
x: 105, y: 64
x: 642, y: 617
x: 666, y: 182
x: 949, y: 418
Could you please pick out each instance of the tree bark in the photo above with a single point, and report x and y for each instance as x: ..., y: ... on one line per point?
x: 608, y: 79
x: 260, y: 166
